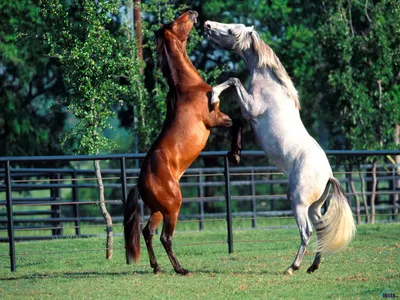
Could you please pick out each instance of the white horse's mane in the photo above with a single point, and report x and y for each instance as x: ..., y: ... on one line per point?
x: 246, y: 37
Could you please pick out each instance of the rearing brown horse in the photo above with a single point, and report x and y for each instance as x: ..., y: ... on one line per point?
x: 184, y: 134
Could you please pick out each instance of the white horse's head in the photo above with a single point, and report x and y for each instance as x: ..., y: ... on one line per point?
x: 246, y: 42
x: 236, y: 37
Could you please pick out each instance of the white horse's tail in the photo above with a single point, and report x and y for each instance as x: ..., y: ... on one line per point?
x: 337, y: 227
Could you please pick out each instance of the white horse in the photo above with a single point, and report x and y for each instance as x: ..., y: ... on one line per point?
x: 272, y: 107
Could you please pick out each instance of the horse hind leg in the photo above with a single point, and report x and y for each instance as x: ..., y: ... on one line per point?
x: 148, y: 233
x: 170, y: 221
x: 300, y: 212
x: 315, y: 216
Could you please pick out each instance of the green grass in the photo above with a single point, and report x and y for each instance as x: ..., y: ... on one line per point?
x: 76, y: 268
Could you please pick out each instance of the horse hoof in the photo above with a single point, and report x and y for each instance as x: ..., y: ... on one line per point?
x: 236, y: 159
x: 228, y: 123
x: 157, y: 270
x: 312, y: 269
x: 289, y: 271
x: 184, y: 272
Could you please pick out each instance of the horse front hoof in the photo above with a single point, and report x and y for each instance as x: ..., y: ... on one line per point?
x: 234, y: 157
x: 157, y: 270
x: 227, y: 122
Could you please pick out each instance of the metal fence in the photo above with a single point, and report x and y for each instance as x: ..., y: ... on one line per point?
x: 223, y: 193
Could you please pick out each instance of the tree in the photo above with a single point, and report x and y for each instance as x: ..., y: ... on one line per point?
x: 90, y: 45
x: 360, y: 75
x: 149, y: 110
x: 30, y: 84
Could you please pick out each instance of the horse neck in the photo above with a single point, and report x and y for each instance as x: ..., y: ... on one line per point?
x: 251, y: 60
x: 266, y: 77
x: 180, y: 72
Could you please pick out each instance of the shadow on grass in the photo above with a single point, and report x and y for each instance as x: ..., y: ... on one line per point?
x: 74, y: 275
x: 89, y: 274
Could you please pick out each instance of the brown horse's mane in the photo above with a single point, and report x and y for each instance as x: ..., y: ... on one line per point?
x: 162, y: 63
x: 169, y: 73
x: 160, y: 45
x: 162, y: 59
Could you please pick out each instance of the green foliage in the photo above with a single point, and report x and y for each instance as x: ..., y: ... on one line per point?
x: 360, y: 46
x: 336, y: 53
x: 29, y: 84
x: 150, y: 110
x: 94, y: 58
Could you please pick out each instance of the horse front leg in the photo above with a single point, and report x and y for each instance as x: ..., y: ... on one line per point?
x: 216, y: 118
x: 250, y: 109
x: 236, y: 132
x: 236, y: 145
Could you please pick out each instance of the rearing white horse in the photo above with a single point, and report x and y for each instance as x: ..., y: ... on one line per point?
x: 272, y: 107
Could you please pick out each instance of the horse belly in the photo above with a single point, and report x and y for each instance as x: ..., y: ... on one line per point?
x: 283, y: 140
x: 269, y: 142
x: 188, y: 140
x: 192, y: 145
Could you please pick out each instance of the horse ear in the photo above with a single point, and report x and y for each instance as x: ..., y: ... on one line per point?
x: 251, y: 29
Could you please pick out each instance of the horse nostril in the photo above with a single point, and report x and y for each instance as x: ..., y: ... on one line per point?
x: 207, y: 25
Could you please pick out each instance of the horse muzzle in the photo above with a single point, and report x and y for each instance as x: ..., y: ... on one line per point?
x: 193, y: 16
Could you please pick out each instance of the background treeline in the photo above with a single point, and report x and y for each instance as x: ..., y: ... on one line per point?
x: 343, y: 56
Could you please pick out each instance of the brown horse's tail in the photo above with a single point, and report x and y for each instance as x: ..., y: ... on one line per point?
x: 132, y: 226
x: 337, y: 227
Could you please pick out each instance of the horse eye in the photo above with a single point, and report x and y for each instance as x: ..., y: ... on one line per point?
x: 229, y: 31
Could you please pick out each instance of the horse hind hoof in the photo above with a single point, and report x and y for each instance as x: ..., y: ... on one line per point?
x: 185, y: 272
x: 289, y: 271
x: 312, y: 269
x: 157, y: 270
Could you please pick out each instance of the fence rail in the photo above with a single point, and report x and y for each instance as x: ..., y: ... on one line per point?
x: 247, y: 193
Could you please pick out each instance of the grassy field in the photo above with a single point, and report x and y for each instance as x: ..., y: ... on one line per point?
x: 76, y: 268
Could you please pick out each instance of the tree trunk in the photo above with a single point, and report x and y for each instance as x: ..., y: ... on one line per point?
x: 373, y: 192
x: 396, y: 171
x: 138, y: 29
x: 353, y: 189
x: 367, y: 219
x: 103, y: 210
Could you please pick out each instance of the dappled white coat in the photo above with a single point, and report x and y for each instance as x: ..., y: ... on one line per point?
x: 272, y: 107
x: 280, y: 132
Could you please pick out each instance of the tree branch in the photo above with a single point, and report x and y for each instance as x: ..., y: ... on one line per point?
x: 350, y: 21
x: 366, y: 11
x: 379, y: 82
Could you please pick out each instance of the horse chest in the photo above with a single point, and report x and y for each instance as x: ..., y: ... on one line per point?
x: 272, y: 136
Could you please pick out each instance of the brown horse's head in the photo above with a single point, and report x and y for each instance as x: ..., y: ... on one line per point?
x: 176, y: 34
x: 182, y: 25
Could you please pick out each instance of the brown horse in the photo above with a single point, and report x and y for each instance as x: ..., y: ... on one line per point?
x: 190, y: 116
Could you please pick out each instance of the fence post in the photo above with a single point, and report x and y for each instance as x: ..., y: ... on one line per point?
x: 76, y: 206
x: 253, y: 200
x: 123, y: 179
x: 395, y: 194
x: 141, y: 205
x: 228, y: 205
x: 271, y: 191
x: 201, y: 201
x: 55, y: 194
x: 10, y: 218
